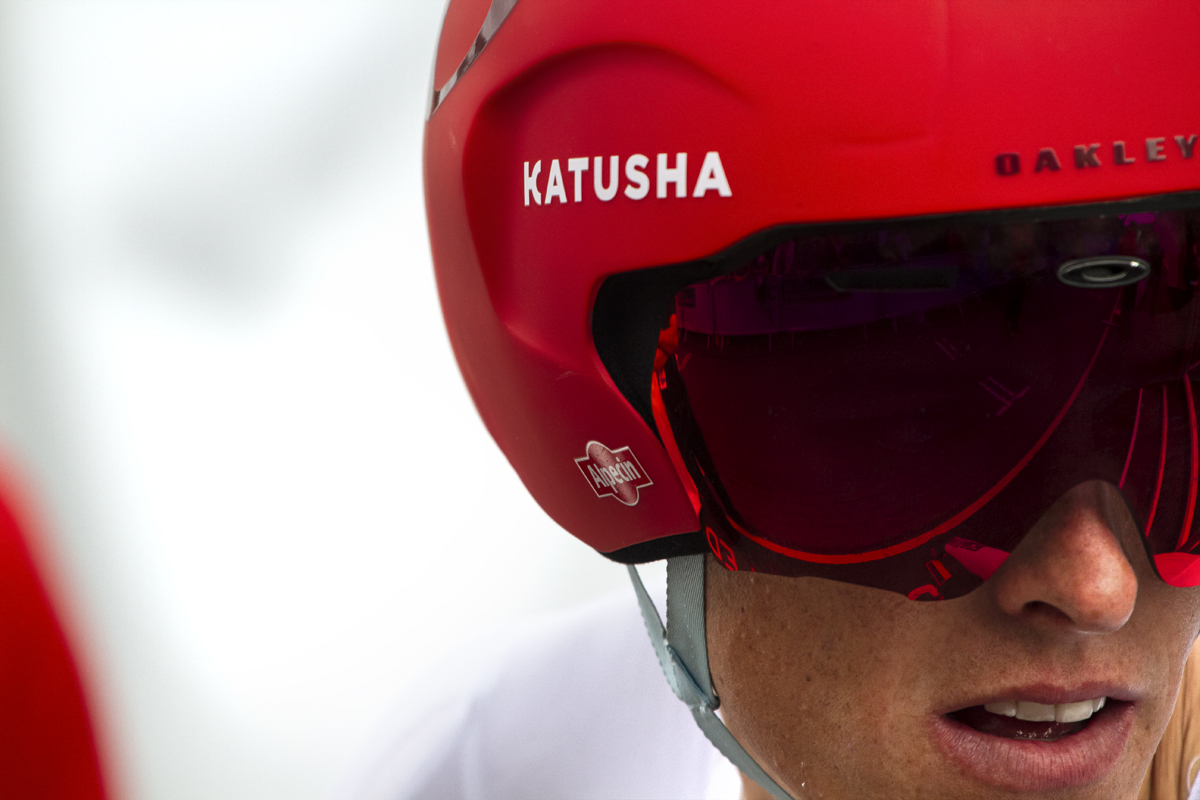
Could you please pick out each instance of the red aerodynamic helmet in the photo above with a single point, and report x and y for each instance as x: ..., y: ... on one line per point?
x: 827, y: 288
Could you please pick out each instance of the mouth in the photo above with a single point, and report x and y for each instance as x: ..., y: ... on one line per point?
x: 1024, y: 745
x: 1024, y: 719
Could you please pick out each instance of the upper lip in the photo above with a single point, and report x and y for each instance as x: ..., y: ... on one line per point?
x: 1051, y: 694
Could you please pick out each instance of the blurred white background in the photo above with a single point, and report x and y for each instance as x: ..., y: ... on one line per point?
x: 266, y: 499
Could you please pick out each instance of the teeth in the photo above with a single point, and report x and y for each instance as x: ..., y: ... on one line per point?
x: 1008, y: 708
x: 1073, y: 712
x: 1039, y: 712
x: 1034, y: 712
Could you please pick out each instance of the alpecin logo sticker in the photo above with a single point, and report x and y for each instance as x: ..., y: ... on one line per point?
x: 613, y: 473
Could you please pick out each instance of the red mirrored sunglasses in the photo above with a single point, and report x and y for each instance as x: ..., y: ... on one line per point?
x: 895, y: 405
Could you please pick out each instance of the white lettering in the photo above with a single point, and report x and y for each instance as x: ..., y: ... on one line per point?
x: 596, y: 477
x: 578, y: 166
x: 678, y: 175
x: 531, y: 183
x: 639, y: 184
x: 712, y: 176
x: 632, y: 470
x: 606, y: 193
x: 554, y: 184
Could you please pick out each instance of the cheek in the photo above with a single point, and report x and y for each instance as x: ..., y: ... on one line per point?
x: 809, y: 676
x: 1164, y: 628
x: 1164, y: 624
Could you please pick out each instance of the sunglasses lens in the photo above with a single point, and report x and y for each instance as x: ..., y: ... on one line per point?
x: 896, y: 406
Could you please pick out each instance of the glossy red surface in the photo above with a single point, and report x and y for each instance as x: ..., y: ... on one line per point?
x: 819, y: 112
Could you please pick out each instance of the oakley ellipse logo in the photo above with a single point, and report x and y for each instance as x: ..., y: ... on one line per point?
x: 1103, y: 272
x: 606, y: 177
x: 1093, y: 156
x: 613, y: 473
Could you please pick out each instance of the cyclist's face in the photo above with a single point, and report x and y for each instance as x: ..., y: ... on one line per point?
x: 843, y: 691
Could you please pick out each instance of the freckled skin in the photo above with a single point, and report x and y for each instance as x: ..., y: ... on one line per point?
x: 832, y: 686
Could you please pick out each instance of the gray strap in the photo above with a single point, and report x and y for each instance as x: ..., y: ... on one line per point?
x: 686, y: 633
x: 682, y: 651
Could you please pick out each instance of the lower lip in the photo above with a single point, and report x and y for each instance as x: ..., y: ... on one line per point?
x: 1022, y: 765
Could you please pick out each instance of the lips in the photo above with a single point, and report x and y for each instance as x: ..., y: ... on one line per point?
x: 1035, y: 749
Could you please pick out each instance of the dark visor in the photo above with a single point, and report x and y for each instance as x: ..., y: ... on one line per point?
x: 896, y: 405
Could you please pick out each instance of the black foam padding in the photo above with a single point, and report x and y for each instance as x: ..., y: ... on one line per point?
x: 632, y: 307
x: 630, y: 310
x: 683, y: 544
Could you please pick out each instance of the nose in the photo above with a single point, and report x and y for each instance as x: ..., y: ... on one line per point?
x: 1070, y: 572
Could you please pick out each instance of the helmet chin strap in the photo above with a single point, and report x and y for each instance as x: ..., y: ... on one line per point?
x: 682, y: 650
